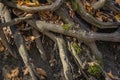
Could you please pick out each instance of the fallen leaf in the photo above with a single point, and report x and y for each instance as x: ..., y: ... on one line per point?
x: 117, y: 1
x: 7, y: 76
x: 52, y: 62
x: 103, y: 17
x: 71, y: 11
x: 41, y: 72
x: 117, y: 17
x: 2, y: 48
x: 25, y: 71
x: 110, y: 74
x: 88, y: 7
x: 6, y: 72
x: 28, y: 3
x: 15, y: 72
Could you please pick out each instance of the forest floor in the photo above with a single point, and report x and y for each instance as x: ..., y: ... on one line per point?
x: 109, y: 50
x: 60, y: 40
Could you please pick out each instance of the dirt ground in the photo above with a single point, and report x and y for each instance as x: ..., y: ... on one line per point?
x: 109, y: 50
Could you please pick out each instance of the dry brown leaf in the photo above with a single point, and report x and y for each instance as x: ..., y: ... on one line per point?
x: 53, y: 62
x: 49, y: 16
x: 20, y: 2
x: 71, y: 11
x: 27, y: 42
x: 15, y: 72
x: 28, y: 3
x: 45, y: 15
x: 117, y: 17
x: 88, y: 7
x: 103, y: 17
x: 2, y: 48
x: 28, y: 46
x: 11, y: 76
x: 7, y: 76
x: 25, y: 71
x: 35, y: 4
x: 110, y: 75
x: 117, y: 1
x: 41, y: 72
x: 6, y: 72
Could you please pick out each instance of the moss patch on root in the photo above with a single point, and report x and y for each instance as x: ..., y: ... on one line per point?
x: 95, y: 71
x: 77, y: 48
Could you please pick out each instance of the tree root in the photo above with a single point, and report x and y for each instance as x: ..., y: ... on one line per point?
x: 64, y: 59
x: 39, y: 44
x: 99, y: 4
x: 21, y: 47
x: 90, y: 19
x: 2, y: 34
x: 82, y: 35
x: 110, y: 4
x: 79, y: 62
x: 23, y: 53
x: 78, y: 31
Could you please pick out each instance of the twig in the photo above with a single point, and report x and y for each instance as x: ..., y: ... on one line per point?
x: 90, y: 19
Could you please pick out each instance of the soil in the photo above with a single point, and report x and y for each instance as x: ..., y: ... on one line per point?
x: 109, y: 50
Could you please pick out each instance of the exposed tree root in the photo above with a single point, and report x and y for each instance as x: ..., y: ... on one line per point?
x: 39, y: 44
x: 64, y: 59
x: 23, y: 53
x: 74, y: 27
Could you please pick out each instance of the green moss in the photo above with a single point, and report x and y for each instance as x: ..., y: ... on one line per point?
x: 77, y: 48
x: 67, y: 26
x: 95, y: 71
x: 75, y: 5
